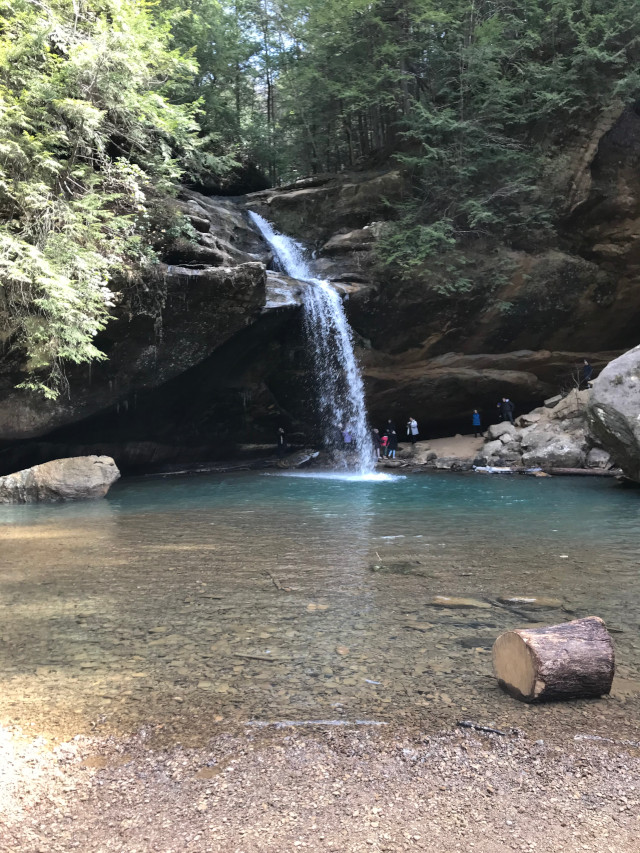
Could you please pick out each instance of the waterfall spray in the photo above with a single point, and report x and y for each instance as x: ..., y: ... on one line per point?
x: 338, y: 381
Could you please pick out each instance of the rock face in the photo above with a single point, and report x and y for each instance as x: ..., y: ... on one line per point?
x: 548, y: 437
x: 78, y: 478
x: 203, y: 308
x: 210, y: 355
x: 614, y: 411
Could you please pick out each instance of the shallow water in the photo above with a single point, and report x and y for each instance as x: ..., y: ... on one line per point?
x: 189, y: 601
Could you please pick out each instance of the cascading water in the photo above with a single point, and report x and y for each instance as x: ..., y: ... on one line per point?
x: 338, y: 380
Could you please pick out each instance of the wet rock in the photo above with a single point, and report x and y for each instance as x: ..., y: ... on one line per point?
x: 76, y: 478
x: 453, y: 463
x: 298, y: 459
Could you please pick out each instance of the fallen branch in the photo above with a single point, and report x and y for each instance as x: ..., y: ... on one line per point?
x: 468, y: 724
x: 266, y: 658
x: 277, y: 583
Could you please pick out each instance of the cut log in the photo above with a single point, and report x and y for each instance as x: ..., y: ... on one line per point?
x: 574, y: 660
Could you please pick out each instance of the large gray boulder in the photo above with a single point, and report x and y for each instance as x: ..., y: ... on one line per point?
x: 614, y: 411
x: 560, y: 452
x: 498, y: 430
x: 76, y: 478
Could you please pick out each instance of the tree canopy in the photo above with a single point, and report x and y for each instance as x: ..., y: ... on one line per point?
x: 106, y: 106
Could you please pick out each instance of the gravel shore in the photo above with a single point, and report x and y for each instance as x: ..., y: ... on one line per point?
x: 349, y: 789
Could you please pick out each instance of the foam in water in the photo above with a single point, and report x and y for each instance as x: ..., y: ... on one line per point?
x: 346, y: 477
x: 338, y: 381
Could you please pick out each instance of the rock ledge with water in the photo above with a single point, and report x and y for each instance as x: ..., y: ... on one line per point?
x: 75, y: 478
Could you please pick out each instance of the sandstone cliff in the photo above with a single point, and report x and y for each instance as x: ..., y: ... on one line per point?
x: 209, y: 354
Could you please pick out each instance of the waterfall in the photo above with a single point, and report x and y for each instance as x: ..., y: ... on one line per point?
x: 338, y: 381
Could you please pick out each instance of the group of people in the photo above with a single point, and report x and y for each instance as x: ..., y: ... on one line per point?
x: 506, y: 409
x: 385, y: 444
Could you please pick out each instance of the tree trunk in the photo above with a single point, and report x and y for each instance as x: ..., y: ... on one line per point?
x: 574, y: 660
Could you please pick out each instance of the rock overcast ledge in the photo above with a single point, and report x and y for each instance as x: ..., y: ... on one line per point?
x: 75, y: 478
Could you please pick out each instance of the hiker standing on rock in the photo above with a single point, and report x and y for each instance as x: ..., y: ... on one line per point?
x: 506, y: 409
x: 476, y: 422
x: 412, y: 430
x: 393, y: 443
x: 587, y: 373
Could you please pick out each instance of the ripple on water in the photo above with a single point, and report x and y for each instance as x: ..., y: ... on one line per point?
x: 267, y: 598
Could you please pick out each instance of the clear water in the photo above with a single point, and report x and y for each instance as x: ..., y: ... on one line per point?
x: 194, y: 602
x: 337, y: 378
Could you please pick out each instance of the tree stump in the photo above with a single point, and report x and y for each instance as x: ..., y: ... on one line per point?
x: 574, y: 660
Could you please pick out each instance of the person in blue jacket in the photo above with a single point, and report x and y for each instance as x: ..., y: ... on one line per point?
x: 476, y: 422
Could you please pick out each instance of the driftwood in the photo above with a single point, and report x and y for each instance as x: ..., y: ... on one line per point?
x: 574, y: 660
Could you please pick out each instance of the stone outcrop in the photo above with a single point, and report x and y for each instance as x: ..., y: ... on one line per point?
x: 201, y: 310
x: 78, y: 478
x: 209, y: 355
x: 614, y: 411
x: 443, y: 391
x: 553, y: 436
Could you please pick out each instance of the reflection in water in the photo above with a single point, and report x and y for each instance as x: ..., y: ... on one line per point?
x: 271, y: 597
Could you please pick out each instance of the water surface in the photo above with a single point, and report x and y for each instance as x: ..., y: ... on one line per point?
x: 189, y: 602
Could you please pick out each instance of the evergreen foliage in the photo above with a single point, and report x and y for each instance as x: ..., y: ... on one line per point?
x: 88, y: 140
x: 106, y: 105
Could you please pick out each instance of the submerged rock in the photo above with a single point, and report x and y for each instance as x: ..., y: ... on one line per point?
x: 77, y: 478
x: 533, y: 602
x: 453, y: 601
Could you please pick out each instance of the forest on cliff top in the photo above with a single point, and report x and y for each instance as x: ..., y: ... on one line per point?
x: 107, y: 107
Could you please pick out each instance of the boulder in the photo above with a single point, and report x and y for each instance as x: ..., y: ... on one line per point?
x: 498, y: 430
x: 614, y: 411
x: 298, y: 459
x: 528, y: 420
x: 553, y: 401
x: 539, y: 436
x: 561, y: 452
x: 453, y: 463
x: 76, y: 478
x: 493, y: 448
x: 572, y: 407
x: 598, y: 458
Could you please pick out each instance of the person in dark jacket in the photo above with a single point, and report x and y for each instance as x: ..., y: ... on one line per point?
x: 506, y: 409
x: 281, y: 442
x: 587, y: 373
x: 476, y: 423
x: 393, y: 443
